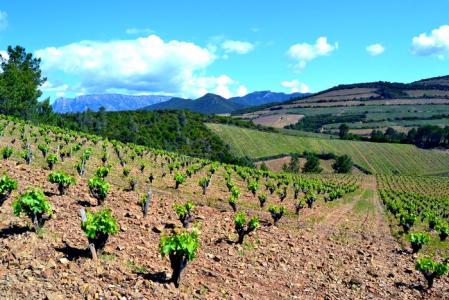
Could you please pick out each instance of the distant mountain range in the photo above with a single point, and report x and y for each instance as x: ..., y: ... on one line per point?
x: 111, y: 102
x: 207, y: 104
x: 215, y: 104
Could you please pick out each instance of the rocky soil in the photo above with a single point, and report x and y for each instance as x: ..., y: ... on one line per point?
x: 341, y: 250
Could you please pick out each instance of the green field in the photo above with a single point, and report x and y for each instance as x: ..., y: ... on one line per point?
x: 376, y: 157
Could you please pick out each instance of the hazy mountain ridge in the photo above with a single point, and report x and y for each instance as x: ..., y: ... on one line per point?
x: 215, y: 104
x: 111, y: 102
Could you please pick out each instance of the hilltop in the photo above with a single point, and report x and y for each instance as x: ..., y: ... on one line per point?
x: 368, y: 106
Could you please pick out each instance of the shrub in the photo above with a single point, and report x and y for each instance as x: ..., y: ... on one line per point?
x: 443, y: 230
x: 262, y: 199
x: 282, y: 193
x: 126, y: 171
x: 62, y: 180
x: 34, y: 205
x: 180, y: 248
x: 179, y: 179
x: 300, y: 204
x: 98, y: 226
x: 406, y: 221
x: 7, y: 152
x: 431, y: 269
x: 418, y: 240
x: 27, y: 155
x: 98, y: 188
x: 276, y: 213
x: 242, y: 228
x: 103, y: 171
x: 235, y: 192
x: 253, y: 186
x: 44, y: 149
x: 312, y: 164
x: 310, y: 198
x: 343, y: 164
x: 233, y: 203
x: 184, y: 212
x: 51, y: 160
x: 204, y: 183
x: 7, y: 185
x: 132, y: 184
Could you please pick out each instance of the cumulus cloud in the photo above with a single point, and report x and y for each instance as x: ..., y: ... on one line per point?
x: 436, y: 43
x: 142, y: 65
x: 375, y: 49
x: 302, y: 53
x: 3, y: 20
x: 295, y: 86
x: 239, y: 47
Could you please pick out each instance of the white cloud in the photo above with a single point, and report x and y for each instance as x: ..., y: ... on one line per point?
x: 3, y: 20
x: 303, y: 52
x: 375, y: 49
x: 239, y: 47
x: 436, y: 43
x: 58, y: 90
x: 242, y: 91
x: 142, y: 65
x: 139, y: 31
x: 295, y: 86
x: 4, y: 54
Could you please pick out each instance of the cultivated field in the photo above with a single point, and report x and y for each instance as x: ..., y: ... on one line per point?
x: 376, y: 157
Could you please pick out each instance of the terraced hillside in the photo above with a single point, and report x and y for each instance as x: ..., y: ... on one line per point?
x: 307, y: 231
x: 375, y: 105
x: 375, y: 157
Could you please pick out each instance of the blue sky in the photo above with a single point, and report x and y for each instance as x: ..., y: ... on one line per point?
x: 186, y: 48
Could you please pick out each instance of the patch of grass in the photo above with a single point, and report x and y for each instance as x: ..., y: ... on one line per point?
x: 364, y: 205
x: 135, y: 268
x: 108, y: 256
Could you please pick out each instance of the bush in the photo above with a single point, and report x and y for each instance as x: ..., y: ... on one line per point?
x: 343, y: 164
x: 179, y: 179
x: 184, y: 212
x: 276, y: 213
x: 180, y: 248
x: 98, y: 226
x: 262, y: 199
x: 103, y: 171
x: 204, y: 183
x: 242, y: 228
x: 312, y: 164
x: 126, y: 171
x: 418, y: 240
x: 99, y: 189
x: 300, y: 204
x: 431, y: 269
x: 7, y: 185
x: 253, y: 186
x: 443, y: 230
x: 35, y: 205
x: 44, y: 149
x: 62, y: 180
x: 310, y: 198
x: 51, y: 160
x: 7, y: 152
x: 406, y: 221
x: 233, y: 203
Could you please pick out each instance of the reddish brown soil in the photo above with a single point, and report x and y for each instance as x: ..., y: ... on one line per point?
x: 332, y: 252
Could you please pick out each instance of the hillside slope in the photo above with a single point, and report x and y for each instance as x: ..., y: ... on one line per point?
x: 376, y: 157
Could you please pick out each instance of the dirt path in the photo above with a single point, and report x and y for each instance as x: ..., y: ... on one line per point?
x: 353, y: 254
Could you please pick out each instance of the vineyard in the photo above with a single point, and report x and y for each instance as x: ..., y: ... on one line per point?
x: 86, y: 217
x: 378, y: 158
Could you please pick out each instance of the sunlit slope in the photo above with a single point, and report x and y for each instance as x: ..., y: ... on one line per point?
x: 376, y: 157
